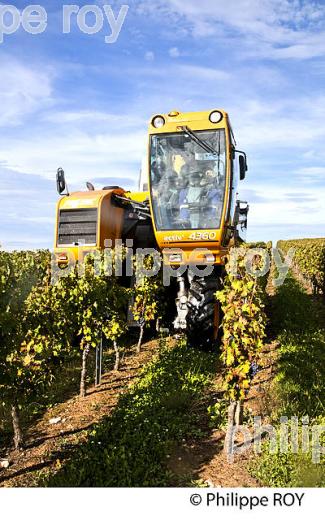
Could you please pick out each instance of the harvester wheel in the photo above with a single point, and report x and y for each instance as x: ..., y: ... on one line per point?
x: 203, y: 319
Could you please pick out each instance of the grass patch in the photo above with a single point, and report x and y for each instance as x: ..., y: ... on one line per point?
x: 130, y: 447
x: 298, y: 389
x: 290, y: 469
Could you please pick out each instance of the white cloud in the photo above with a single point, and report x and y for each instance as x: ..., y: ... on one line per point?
x: 204, y: 73
x: 311, y: 173
x: 279, y: 132
x: 93, y: 117
x: 23, y: 90
x: 267, y: 28
x: 39, y: 220
x: 82, y: 155
x: 296, y: 123
x: 278, y: 207
x: 149, y: 56
x: 174, y: 52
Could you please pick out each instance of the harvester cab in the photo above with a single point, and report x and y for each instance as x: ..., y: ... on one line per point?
x: 194, y: 169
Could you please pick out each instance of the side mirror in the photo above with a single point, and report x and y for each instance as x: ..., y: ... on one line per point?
x: 90, y: 186
x: 60, y: 181
x: 242, y: 167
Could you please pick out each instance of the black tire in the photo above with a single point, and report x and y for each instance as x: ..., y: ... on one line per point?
x: 203, y: 313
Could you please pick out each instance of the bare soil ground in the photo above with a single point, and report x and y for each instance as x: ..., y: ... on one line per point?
x: 47, y: 445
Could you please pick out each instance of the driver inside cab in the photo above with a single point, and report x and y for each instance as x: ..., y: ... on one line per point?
x: 200, y: 200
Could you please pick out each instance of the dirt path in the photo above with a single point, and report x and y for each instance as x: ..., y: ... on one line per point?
x: 203, y: 461
x: 49, y: 445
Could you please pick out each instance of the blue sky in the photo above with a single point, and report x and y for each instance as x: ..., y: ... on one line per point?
x: 75, y: 101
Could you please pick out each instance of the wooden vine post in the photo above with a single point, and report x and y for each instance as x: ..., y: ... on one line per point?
x: 146, y: 298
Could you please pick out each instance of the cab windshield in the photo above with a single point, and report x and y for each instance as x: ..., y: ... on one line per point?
x: 187, y: 181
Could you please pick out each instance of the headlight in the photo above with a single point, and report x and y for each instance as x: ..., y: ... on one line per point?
x: 215, y: 116
x: 205, y: 258
x: 63, y: 257
x: 158, y: 122
x: 175, y: 257
x: 210, y: 258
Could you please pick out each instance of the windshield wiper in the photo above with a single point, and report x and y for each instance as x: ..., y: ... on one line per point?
x: 198, y: 141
